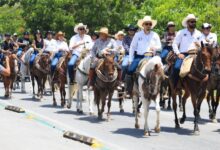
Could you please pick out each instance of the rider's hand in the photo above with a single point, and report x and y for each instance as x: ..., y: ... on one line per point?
x: 105, y: 52
x: 152, y: 49
x: 206, y: 78
x: 181, y: 56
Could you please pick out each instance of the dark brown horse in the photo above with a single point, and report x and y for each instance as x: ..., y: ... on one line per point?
x: 105, y: 84
x: 40, y: 71
x: 214, y: 84
x: 59, y: 78
x: 194, y: 84
x: 9, y: 80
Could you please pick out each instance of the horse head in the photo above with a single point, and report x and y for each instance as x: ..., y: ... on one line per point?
x: 45, y: 61
x: 206, y: 56
x: 108, y: 66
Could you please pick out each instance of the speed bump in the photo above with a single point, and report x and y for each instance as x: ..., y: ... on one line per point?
x: 15, y: 109
x: 77, y: 137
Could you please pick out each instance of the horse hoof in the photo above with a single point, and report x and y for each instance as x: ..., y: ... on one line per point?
x: 54, y: 104
x: 177, y: 126
x: 181, y: 109
x: 196, y: 133
x: 214, y: 120
x: 23, y: 92
x: 137, y: 126
x: 139, y: 115
x: 146, y: 133
x: 68, y: 106
x: 100, y: 117
x: 122, y: 111
x: 80, y: 112
x: 63, y: 105
x: 91, y: 113
x: 169, y: 108
x: 182, y: 120
x: 157, y: 129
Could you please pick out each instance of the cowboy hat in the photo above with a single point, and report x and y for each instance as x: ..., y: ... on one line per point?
x: 147, y: 19
x: 60, y: 33
x: 80, y: 25
x: 187, y: 18
x: 119, y: 33
x: 206, y: 25
x: 131, y: 27
x: 104, y: 30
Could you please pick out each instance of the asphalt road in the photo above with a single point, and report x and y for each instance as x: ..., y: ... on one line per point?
x: 43, y: 125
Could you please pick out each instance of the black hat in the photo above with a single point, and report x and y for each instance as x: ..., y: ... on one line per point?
x: 38, y: 32
x: 49, y: 32
x: 131, y: 27
x: 26, y: 33
x: 206, y: 25
x: 7, y: 34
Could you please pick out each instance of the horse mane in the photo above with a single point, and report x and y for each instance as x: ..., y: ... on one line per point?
x: 151, y: 64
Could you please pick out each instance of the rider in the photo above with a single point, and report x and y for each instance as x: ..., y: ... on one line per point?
x: 78, y: 43
x: 5, y: 71
x: 38, y: 45
x: 61, y: 48
x: 167, y: 40
x: 207, y: 36
x: 24, y: 42
x: 104, y: 45
x: 131, y: 30
x: 119, y: 36
x: 185, y: 40
x: 144, y: 45
x: 50, y: 43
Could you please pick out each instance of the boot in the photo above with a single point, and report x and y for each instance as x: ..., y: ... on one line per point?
x: 91, y: 81
x: 128, y: 84
x: 119, y: 79
x: 23, y: 85
x: 72, y: 79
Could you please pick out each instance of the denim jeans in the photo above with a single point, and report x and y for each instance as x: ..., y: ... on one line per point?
x: 55, y: 60
x: 124, y: 65
x: 71, y: 65
x: 33, y: 56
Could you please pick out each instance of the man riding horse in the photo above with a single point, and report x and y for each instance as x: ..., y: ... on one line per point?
x: 207, y: 36
x: 103, y: 46
x: 78, y: 43
x: 144, y: 45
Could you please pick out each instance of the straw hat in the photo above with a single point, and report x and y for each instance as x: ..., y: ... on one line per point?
x: 104, y: 30
x: 147, y: 19
x: 60, y: 33
x: 80, y: 25
x: 187, y: 18
x: 119, y: 33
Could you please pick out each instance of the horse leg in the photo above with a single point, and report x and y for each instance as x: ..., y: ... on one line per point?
x: 157, y: 127
x: 79, y: 100
x: 97, y: 100
x: 196, y: 114
x: 180, y: 101
x: 185, y: 96
x: 135, y: 101
x: 103, y: 99
x: 91, y: 101
x: 53, y: 92
x: 146, y: 104
x: 33, y: 85
x: 64, y: 95
x: 175, y: 110
x: 109, y: 104
x: 208, y: 102
x: 214, y: 120
x: 121, y: 105
x: 61, y: 96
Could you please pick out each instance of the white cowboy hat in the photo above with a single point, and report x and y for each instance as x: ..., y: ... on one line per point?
x: 187, y: 18
x: 80, y: 25
x: 206, y: 25
x: 104, y: 30
x: 119, y: 33
x: 146, y: 19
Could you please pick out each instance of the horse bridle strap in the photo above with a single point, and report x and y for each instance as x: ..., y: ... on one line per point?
x: 104, y: 78
x: 81, y: 71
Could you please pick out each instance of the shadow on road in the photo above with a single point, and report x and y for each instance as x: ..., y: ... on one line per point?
x: 180, y: 131
x: 218, y: 130
x: 91, y: 119
x: 130, y: 132
x: 50, y: 106
x: 30, y: 99
x: 69, y: 112
x: 128, y: 114
x: 201, y: 121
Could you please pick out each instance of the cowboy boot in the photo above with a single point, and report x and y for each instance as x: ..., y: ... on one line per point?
x: 128, y: 84
x: 72, y: 79
x: 91, y: 81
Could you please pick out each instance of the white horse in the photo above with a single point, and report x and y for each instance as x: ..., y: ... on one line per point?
x: 149, y: 80
x: 81, y: 79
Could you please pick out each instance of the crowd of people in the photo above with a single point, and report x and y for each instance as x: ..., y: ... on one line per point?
x: 136, y: 42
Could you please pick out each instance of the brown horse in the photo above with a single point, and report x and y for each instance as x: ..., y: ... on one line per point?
x: 105, y: 84
x: 214, y: 84
x: 9, y: 80
x: 40, y: 71
x: 59, y: 78
x: 194, y: 84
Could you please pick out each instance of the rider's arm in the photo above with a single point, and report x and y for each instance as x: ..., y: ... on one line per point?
x: 176, y: 43
x: 34, y: 45
x: 215, y: 40
x: 5, y: 71
x: 157, y: 45
x: 20, y: 42
x: 74, y: 44
x: 133, y: 47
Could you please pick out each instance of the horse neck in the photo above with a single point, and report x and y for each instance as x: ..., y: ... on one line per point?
x: 86, y: 63
x: 199, y: 62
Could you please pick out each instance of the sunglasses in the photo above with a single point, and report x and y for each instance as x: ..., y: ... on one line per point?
x: 81, y: 29
x: 192, y: 22
x: 148, y: 24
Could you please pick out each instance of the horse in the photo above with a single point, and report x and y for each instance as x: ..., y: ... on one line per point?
x: 147, y: 87
x: 58, y: 78
x: 194, y: 84
x: 40, y: 71
x: 214, y: 84
x: 81, y: 78
x: 105, y: 84
x: 9, y: 80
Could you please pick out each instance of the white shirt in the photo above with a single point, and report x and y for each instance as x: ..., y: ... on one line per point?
x: 142, y: 43
x: 119, y: 45
x: 61, y: 46
x: 211, y: 38
x: 185, y: 41
x: 50, y: 45
x: 77, y: 39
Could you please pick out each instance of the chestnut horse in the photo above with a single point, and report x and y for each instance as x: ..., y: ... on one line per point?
x: 105, y: 84
x: 194, y: 84
x: 8, y: 81
x: 59, y: 79
x: 40, y: 71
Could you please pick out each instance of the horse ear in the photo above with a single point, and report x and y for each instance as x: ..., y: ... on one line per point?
x: 202, y: 44
x: 156, y: 67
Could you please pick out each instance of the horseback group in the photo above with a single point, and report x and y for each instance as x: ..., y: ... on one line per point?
x: 139, y: 65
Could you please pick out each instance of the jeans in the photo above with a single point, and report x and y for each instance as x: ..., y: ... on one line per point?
x: 124, y: 65
x: 55, y: 61
x: 19, y: 52
x: 71, y: 65
x: 33, y: 56
x: 164, y: 53
x: 135, y: 63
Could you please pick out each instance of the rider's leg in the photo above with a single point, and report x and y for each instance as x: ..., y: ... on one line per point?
x: 124, y: 66
x: 164, y: 54
x: 92, y: 74
x: 54, y: 63
x: 32, y: 58
x: 71, y: 65
x: 176, y: 71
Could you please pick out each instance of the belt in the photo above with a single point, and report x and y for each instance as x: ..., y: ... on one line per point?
x: 192, y: 51
x: 150, y: 54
